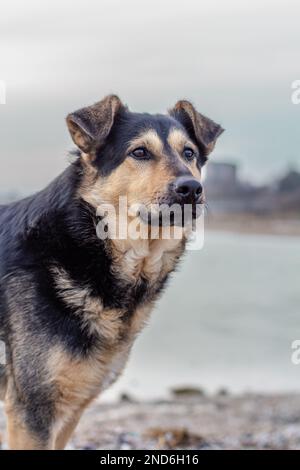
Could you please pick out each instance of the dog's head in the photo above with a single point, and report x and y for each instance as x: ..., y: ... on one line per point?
x: 150, y: 159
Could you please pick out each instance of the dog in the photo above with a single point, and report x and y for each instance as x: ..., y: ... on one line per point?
x: 71, y: 303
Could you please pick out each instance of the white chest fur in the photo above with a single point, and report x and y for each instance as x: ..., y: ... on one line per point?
x: 152, y: 259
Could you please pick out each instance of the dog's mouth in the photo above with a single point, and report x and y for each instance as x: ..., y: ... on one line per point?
x: 171, y: 215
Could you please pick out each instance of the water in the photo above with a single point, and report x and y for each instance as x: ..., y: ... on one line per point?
x: 227, y: 320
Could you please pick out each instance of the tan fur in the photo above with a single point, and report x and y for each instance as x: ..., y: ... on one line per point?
x: 67, y: 429
x: 149, y: 139
x: 80, y: 381
x: 148, y: 258
x: 177, y: 140
x: 87, y: 307
x: 142, y: 183
x: 108, y: 322
x: 19, y: 436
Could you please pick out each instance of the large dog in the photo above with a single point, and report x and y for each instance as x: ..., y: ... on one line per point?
x: 72, y: 303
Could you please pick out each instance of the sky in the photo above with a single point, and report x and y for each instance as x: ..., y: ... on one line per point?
x: 235, y: 60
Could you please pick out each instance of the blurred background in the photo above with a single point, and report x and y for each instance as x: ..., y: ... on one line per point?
x: 232, y: 311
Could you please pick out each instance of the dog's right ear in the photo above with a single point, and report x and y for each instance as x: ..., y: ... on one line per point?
x: 205, y: 130
x: 90, y: 126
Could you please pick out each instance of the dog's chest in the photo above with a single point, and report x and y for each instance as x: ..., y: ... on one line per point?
x: 114, y: 327
x: 143, y: 259
x: 136, y: 275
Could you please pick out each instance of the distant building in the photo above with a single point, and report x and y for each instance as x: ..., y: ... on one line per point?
x: 226, y: 193
x: 289, y: 182
x: 288, y: 192
x: 223, y: 189
x: 222, y: 183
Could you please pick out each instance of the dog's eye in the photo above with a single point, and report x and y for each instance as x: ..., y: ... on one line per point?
x: 188, y: 153
x: 140, y: 153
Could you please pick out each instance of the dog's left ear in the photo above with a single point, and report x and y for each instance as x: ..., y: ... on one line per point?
x: 90, y: 126
x: 204, y: 130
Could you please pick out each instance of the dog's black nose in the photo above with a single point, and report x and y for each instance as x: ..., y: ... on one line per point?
x: 188, y: 189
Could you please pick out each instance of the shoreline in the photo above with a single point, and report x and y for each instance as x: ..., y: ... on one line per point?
x: 193, y: 421
x: 253, y: 225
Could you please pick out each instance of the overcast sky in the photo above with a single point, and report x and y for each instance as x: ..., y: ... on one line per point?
x: 235, y: 60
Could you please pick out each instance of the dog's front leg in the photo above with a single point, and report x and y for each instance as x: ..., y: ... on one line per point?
x: 27, y: 429
x: 20, y: 437
x: 67, y: 429
x: 3, y: 382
